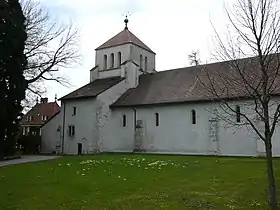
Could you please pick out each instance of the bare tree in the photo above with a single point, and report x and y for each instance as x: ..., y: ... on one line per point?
x: 254, y: 32
x: 50, y: 46
x: 194, y: 58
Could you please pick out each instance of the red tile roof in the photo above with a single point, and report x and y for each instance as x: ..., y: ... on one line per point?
x: 39, y: 110
x: 124, y: 37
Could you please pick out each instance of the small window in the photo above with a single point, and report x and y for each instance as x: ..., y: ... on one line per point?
x: 141, y: 61
x: 146, y: 63
x: 124, y: 120
x: 157, y: 119
x: 193, y: 117
x: 71, y: 130
x: 74, y: 111
x: 105, y: 61
x: 238, y: 114
x: 119, y: 59
x: 112, y: 60
x: 44, y: 118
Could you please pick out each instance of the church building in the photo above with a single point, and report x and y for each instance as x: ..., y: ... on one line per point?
x: 130, y: 107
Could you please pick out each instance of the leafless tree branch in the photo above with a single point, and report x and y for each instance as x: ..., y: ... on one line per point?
x: 50, y: 46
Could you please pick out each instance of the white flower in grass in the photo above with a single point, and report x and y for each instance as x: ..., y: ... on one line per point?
x: 124, y: 179
x: 68, y: 164
x: 119, y: 177
x: 59, y: 164
x: 146, y: 168
x: 83, y: 174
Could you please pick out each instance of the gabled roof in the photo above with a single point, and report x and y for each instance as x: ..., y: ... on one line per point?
x: 93, y: 89
x: 39, y: 110
x: 124, y: 37
x: 191, y: 84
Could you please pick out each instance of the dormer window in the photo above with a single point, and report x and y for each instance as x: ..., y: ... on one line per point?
x: 146, y: 63
x: 119, y: 59
x: 112, y: 60
x: 141, y: 61
x: 105, y: 61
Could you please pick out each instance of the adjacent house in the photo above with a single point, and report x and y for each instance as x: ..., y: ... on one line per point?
x: 37, y: 116
x: 128, y: 106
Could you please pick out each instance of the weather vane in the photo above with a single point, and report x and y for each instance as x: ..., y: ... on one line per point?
x: 126, y: 14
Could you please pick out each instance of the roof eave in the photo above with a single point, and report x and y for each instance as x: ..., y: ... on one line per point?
x: 101, y: 48
x: 185, y: 102
x: 77, y: 98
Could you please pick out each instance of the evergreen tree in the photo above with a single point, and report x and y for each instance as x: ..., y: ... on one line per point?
x: 12, y: 63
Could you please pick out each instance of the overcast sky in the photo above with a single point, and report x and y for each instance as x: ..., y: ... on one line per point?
x: 171, y: 28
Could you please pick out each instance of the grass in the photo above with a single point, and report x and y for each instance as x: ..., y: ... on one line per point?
x: 122, y: 181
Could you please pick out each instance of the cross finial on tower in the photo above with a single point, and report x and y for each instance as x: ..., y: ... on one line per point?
x: 126, y: 20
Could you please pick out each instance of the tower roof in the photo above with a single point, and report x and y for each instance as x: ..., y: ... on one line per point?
x: 124, y: 37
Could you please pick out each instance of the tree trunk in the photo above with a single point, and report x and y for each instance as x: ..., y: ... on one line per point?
x: 270, y: 176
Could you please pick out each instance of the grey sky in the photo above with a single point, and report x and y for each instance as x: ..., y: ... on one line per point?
x: 171, y: 28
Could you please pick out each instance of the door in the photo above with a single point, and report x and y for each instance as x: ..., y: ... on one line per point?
x: 80, y: 148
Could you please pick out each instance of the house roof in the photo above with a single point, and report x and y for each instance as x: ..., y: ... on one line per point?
x: 124, y: 37
x: 193, y: 84
x: 39, y: 110
x: 93, y: 89
x: 57, y: 113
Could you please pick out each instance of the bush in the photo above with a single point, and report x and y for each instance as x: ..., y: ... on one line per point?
x: 30, y: 144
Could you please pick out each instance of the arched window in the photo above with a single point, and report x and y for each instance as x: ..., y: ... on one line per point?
x: 119, y: 59
x: 112, y: 60
x: 105, y: 61
x: 157, y: 119
x: 193, y: 117
x: 141, y: 61
x: 146, y: 63
x: 238, y: 114
x: 124, y: 120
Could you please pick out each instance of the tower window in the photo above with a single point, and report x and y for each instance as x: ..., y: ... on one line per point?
x: 119, y: 59
x: 157, y: 119
x: 141, y: 61
x: 124, y: 120
x: 146, y: 63
x: 74, y: 111
x: 112, y: 60
x: 238, y: 114
x: 193, y: 117
x: 105, y: 61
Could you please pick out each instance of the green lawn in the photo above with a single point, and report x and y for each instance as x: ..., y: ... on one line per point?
x: 122, y: 181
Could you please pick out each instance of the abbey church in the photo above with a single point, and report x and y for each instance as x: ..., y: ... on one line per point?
x: 128, y: 106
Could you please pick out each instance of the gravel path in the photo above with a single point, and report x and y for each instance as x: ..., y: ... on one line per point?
x: 27, y: 159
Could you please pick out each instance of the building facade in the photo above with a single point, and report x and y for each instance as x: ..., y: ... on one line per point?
x: 129, y: 107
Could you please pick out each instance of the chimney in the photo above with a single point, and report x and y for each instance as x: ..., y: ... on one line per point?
x: 44, y: 100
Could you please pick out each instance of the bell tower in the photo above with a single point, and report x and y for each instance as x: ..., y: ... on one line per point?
x: 113, y: 55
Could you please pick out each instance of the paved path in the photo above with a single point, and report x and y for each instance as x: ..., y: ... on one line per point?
x: 27, y: 159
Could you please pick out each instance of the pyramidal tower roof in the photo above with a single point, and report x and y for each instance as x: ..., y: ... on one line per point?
x: 124, y: 37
